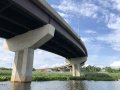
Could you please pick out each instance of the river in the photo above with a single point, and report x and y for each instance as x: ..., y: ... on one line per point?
x: 62, y: 85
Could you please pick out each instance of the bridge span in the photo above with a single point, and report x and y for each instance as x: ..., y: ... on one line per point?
x: 30, y: 24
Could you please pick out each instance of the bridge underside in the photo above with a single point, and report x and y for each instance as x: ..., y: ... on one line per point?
x: 19, y: 18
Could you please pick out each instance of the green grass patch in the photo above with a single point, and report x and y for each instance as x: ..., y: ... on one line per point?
x: 45, y: 76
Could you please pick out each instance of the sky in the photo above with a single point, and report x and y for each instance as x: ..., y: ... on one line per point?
x: 97, y: 22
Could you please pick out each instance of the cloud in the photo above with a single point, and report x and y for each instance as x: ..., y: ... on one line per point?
x: 6, y: 56
x: 85, y: 39
x: 116, y: 4
x: 51, y: 66
x: 96, y: 9
x: 88, y: 10
x: 115, y: 64
x: 44, y: 59
x: 114, y: 22
x: 101, y: 61
x: 90, y: 32
x: 90, y: 36
x: 113, y: 37
x: 76, y: 9
x: 106, y: 3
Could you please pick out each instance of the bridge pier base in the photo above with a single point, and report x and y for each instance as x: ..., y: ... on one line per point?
x: 76, y: 69
x: 23, y: 65
x: 70, y: 70
x: 76, y: 64
x: 24, y: 45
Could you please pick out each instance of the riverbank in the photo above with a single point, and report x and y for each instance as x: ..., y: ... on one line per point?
x: 84, y: 76
x: 5, y: 75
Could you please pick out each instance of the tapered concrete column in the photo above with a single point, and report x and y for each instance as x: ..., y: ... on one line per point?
x: 76, y: 64
x: 76, y: 69
x: 22, y: 66
x: 70, y: 69
x: 23, y: 45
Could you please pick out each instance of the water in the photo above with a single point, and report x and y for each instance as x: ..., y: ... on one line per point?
x: 62, y: 85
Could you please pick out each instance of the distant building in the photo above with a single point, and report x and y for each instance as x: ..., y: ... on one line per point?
x: 44, y: 70
x: 55, y: 69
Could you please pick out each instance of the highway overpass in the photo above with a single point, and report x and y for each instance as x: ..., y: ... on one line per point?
x: 30, y: 24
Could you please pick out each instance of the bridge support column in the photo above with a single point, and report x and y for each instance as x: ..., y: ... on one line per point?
x: 23, y: 45
x: 76, y: 69
x: 23, y: 65
x: 76, y: 64
x: 70, y: 69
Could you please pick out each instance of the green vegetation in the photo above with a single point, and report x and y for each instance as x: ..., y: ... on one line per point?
x: 67, y: 76
x: 36, y: 76
x: 5, y: 74
x: 91, y: 69
x: 111, y: 70
x: 88, y: 73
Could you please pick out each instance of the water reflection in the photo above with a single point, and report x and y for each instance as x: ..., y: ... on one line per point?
x: 62, y: 85
x: 52, y: 85
x: 20, y: 86
x: 76, y: 85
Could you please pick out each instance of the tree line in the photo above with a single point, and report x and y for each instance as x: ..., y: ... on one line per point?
x: 98, y: 69
x: 87, y: 69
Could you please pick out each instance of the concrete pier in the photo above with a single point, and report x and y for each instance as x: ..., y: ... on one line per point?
x: 76, y: 64
x: 76, y: 69
x: 23, y: 65
x: 23, y: 45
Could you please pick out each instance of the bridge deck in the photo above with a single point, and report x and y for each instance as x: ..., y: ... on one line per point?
x: 20, y: 16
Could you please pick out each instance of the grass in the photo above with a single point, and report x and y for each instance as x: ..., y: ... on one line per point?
x: 42, y: 76
x: 45, y: 76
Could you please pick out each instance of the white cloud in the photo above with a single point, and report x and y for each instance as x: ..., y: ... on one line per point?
x: 85, y: 39
x: 100, y: 11
x: 101, y: 61
x: 113, y: 4
x: 57, y: 65
x: 51, y: 66
x: 44, y: 59
x: 113, y: 37
x: 115, y: 64
x: 6, y: 56
x: 90, y: 32
x: 105, y: 3
x: 114, y: 22
x: 88, y: 10
x: 76, y: 9
x: 90, y: 36
x: 116, y: 4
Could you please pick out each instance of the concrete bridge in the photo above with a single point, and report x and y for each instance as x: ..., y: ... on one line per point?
x: 30, y: 24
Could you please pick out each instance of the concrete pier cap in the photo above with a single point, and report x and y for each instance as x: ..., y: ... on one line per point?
x: 31, y: 39
x: 76, y: 64
x: 23, y: 45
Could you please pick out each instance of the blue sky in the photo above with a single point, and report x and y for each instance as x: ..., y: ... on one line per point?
x: 98, y: 24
